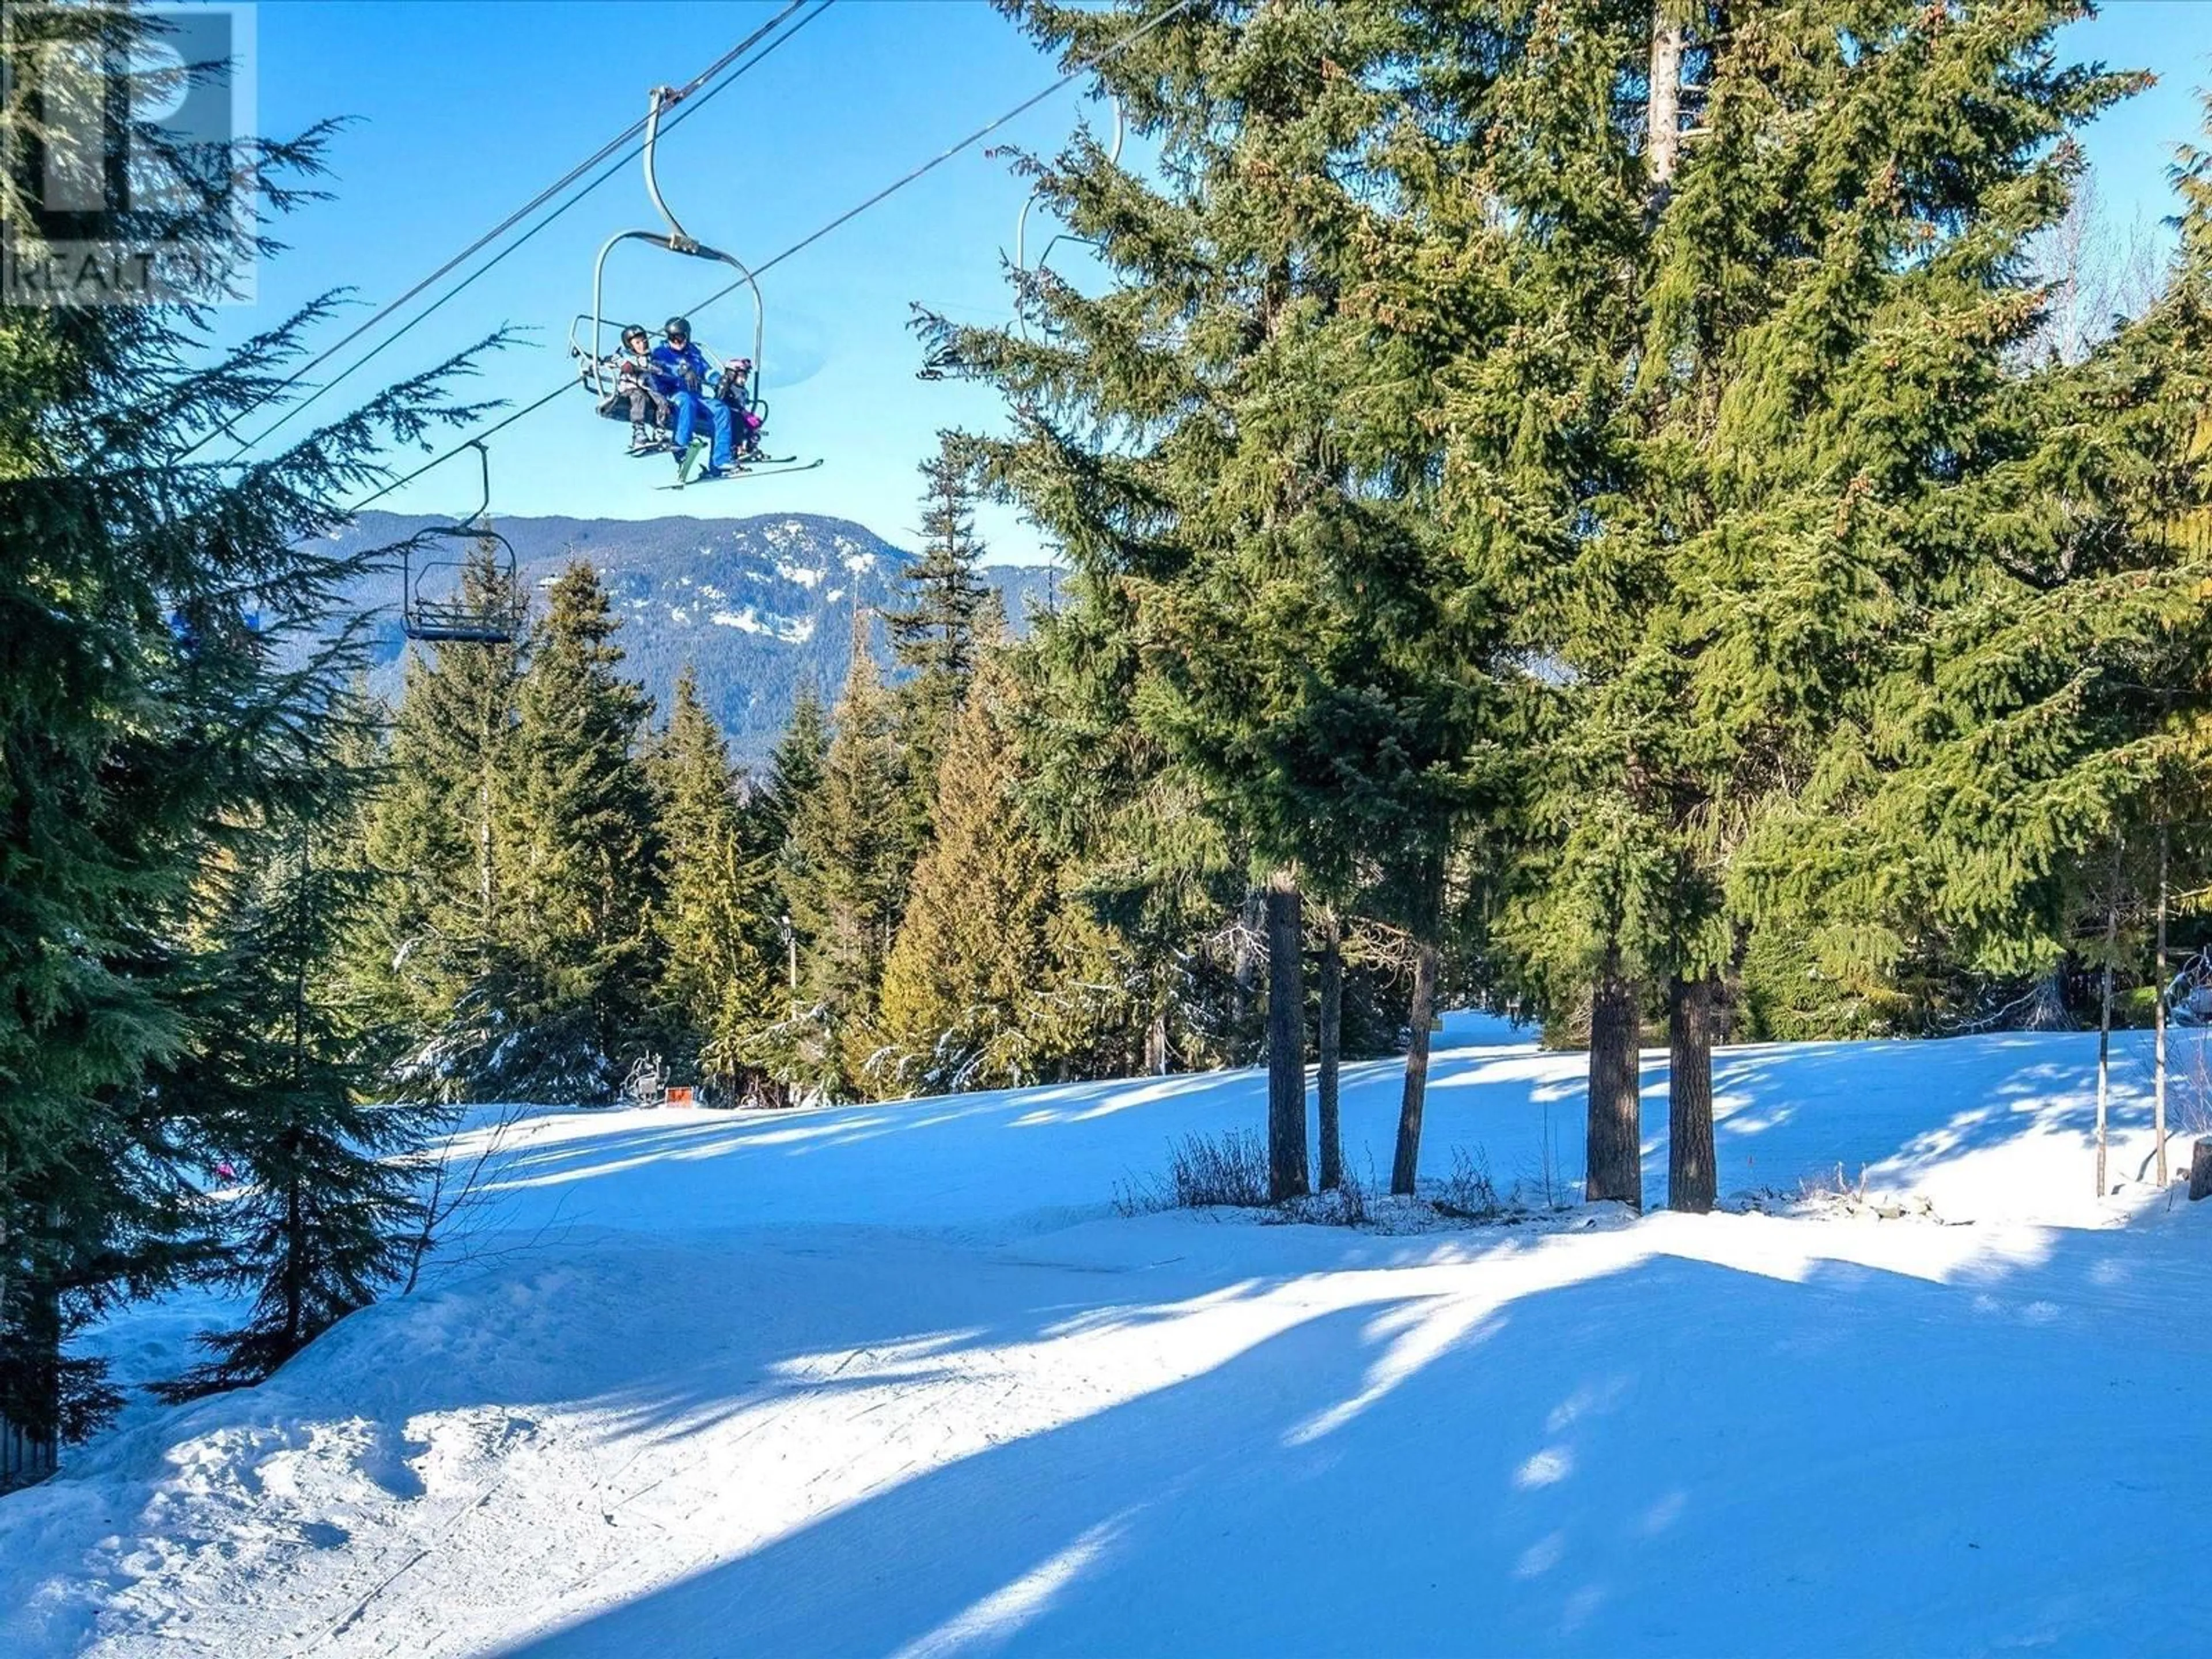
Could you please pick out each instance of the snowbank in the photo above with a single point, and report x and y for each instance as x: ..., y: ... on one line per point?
x: 1995, y: 1127
x: 896, y: 1381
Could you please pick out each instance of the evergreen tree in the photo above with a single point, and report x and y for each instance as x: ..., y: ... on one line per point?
x: 934, y: 638
x: 2049, y: 712
x: 143, y: 717
x: 790, y: 1044
x: 850, y: 839
x: 584, y: 855
x: 1198, y: 440
x: 715, y: 926
x: 444, y: 934
x: 985, y: 985
x: 1147, y: 859
x: 1534, y: 204
x: 796, y: 768
x: 795, y: 773
x: 279, y: 1067
x: 1831, y: 447
x: 1779, y: 423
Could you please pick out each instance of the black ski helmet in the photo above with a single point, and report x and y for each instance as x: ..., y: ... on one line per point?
x: 676, y: 328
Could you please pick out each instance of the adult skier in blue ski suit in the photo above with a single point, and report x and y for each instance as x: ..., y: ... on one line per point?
x: 684, y: 376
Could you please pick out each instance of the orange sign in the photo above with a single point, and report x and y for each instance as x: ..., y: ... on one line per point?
x: 677, y: 1098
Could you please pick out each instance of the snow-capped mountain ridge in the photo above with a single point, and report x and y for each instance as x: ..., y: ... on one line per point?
x: 758, y: 607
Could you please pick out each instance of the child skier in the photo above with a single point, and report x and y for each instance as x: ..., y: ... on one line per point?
x: 745, y: 424
x: 637, y: 389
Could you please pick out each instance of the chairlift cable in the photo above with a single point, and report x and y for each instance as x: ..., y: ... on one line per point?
x: 850, y: 214
x: 943, y: 156
x: 683, y: 109
x: 229, y: 426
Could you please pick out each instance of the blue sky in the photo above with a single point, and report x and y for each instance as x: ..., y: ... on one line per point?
x: 465, y: 108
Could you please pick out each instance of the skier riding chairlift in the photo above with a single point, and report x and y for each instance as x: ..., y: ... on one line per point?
x: 745, y: 418
x: 683, y: 374
x: 637, y: 392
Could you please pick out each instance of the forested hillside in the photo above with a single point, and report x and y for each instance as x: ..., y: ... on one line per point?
x: 759, y: 607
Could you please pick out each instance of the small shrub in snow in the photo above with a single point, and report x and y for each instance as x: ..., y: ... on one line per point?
x: 1814, y: 1188
x: 1545, y: 1179
x: 1231, y: 1168
x: 1469, y: 1192
x: 1140, y: 1195
x: 1352, y: 1197
x: 1203, y: 1171
x: 1345, y: 1205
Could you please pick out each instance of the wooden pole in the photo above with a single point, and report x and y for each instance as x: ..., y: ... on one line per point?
x: 2105, y: 1012
x: 2158, y: 1095
x: 1331, y: 1033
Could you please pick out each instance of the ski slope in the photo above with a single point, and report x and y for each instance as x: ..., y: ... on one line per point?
x: 900, y: 1380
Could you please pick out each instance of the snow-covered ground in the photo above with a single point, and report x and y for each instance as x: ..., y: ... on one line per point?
x: 899, y: 1380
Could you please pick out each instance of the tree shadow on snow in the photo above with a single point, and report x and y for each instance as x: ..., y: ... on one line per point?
x: 1672, y: 1458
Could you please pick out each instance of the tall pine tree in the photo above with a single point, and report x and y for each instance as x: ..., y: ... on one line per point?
x: 586, y: 854
x: 1778, y: 284
x: 986, y: 985
x: 144, y: 718
x: 790, y: 1044
x: 1200, y: 440
x: 933, y: 636
x: 850, y: 838
x: 444, y: 934
x: 279, y: 1075
x: 719, y: 959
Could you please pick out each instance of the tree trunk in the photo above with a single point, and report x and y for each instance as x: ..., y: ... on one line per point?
x: 1406, y: 1165
x: 1613, y: 1146
x: 2158, y: 1085
x: 1240, y: 1001
x: 1691, y: 1178
x: 1331, y: 1039
x: 1156, y: 1044
x: 2105, y: 1012
x: 30, y: 1450
x: 484, y: 856
x: 1663, y: 130
x: 27, y: 1454
x: 1286, y: 1031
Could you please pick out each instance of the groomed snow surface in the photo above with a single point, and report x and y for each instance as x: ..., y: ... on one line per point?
x: 899, y: 1380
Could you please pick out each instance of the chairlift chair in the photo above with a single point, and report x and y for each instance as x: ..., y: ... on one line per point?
x: 1022, y: 267
x: 674, y: 240
x: 451, y: 617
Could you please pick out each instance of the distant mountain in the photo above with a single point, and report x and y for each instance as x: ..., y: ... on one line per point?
x: 759, y: 607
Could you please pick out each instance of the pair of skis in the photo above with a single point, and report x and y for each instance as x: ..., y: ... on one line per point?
x: 692, y: 468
